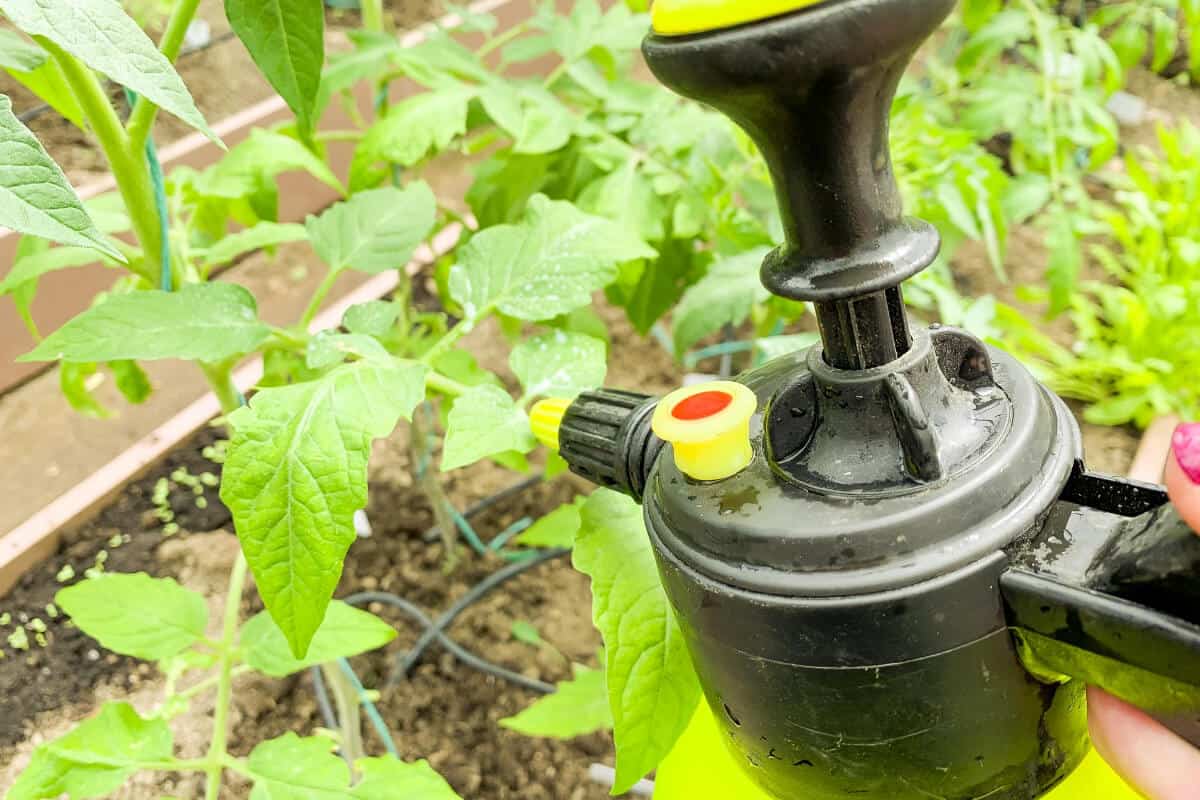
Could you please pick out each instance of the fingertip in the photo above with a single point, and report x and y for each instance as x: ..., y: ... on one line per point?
x: 1182, y: 474
x: 1149, y: 757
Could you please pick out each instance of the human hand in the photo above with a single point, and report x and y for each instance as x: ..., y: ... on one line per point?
x: 1149, y: 757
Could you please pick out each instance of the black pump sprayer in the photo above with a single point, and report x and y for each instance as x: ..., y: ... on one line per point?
x: 894, y: 573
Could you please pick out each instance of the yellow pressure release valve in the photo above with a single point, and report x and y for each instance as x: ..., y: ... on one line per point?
x: 709, y: 427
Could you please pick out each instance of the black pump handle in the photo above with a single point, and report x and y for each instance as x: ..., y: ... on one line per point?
x: 1109, y: 593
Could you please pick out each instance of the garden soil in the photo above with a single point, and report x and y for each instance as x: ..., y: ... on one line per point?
x: 444, y: 712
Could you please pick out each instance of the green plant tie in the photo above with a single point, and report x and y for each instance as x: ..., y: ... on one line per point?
x: 160, y: 203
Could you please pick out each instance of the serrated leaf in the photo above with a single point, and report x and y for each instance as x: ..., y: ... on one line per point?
x: 95, y: 758
x: 295, y: 768
x: 262, y: 235
x: 627, y: 197
x: 578, y: 707
x: 483, y: 422
x: 201, y: 322
x: 100, y: 34
x: 43, y: 262
x: 286, y: 39
x: 548, y: 265
x: 295, y: 474
x: 547, y: 125
x: 35, y: 197
x: 559, y: 364
x: 556, y: 529
x: 136, y: 615
x: 346, y: 631
x: 373, y: 318
x: 374, y: 231
x: 502, y: 103
x: 724, y: 296
x: 652, y: 687
x: 260, y: 158
x: 411, y: 129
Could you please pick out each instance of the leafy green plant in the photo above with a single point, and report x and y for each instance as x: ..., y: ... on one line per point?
x: 158, y: 620
x: 1137, y: 340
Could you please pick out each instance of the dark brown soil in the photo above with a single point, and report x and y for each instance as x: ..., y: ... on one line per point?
x: 444, y: 712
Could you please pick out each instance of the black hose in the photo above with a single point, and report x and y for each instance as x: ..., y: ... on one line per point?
x: 454, y: 648
x: 407, y: 661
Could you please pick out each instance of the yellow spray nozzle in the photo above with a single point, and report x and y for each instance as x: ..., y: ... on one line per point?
x: 545, y: 418
x: 684, y: 17
x: 708, y: 426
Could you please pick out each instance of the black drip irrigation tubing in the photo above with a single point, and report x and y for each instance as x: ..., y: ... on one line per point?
x: 434, y: 631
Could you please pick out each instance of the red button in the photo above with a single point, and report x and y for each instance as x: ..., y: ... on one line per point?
x: 702, y: 405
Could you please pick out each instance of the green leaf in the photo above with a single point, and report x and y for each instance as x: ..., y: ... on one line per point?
x: 652, y: 687
x: 526, y: 633
x: 330, y: 347
x: 132, y: 381
x: 95, y: 758
x: 136, y: 615
x: 483, y: 422
x: 724, y: 296
x: 42, y: 262
x: 100, y: 34
x: 389, y: 778
x: 374, y: 231
x: 286, y: 39
x: 201, y: 322
x: 292, y: 768
x: 345, y: 631
x: 556, y: 529
x: 548, y: 265
x: 264, y: 234
x: 578, y: 707
x: 35, y: 197
x: 19, y: 54
x: 627, y: 197
x: 32, y: 68
x: 248, y: 165
x: 73, y: 383
x: 373, y: 318
x: 429, y: 121
x: 295, y: 474
x: 546, y: 126
x: 559, y: 364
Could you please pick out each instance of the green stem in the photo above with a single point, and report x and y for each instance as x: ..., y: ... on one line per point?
x: 141, y: 120
x: 452, y: 336
x: 453, y: 216
x: 448, y: 386
x: 556, y: 74
x: 178, y: 765
x: 314, y: 305
x: 496, y: 42
x: 372, y: 12
x: 220, y: 379
x: 128, y: 164
x: 210, y: 682
x: 217, y: 754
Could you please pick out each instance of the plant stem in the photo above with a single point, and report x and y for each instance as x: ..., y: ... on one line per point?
x: 127, y: 163
x: 216, y: 750
x: 314, y: 305
x: 340, y: 136
x: 448, y: 386
x: 349, y: 718
x: 220, y: 378
x: 502, y: 39
x: 556, y: 74
x: 372, y: 12
x: 141, y: 120
x: 453, y: 335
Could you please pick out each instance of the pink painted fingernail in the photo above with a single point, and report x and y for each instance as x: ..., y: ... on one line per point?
x: 1185, y: 443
